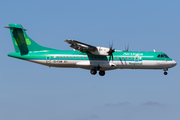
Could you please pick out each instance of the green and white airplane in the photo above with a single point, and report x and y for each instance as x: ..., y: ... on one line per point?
x: 85, y: 56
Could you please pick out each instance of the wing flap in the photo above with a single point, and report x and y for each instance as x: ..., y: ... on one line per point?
x: 82, y: 47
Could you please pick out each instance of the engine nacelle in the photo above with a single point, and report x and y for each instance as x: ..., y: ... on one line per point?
x: 101, y: 51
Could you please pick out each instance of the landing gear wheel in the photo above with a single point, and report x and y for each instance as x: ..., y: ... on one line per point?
x: 165, y: 73
x: 93, y: 71
x: 101, y: 73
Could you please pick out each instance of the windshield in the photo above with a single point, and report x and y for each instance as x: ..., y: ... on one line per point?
x: 162, y: 56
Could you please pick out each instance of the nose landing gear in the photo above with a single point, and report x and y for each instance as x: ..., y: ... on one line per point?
x: 165, y: 73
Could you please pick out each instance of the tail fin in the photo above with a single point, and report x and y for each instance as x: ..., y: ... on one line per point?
x: 23, y: 43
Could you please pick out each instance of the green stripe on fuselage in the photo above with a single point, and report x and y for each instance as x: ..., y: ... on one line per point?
x: 69, y: 55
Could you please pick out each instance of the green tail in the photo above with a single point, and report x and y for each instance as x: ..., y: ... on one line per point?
x: 23, y: 43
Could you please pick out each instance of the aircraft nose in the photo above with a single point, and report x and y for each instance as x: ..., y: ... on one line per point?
x: 174, y: 63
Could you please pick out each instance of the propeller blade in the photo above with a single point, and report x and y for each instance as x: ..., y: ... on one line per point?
x: 110, y: 52
x: 127, y: 49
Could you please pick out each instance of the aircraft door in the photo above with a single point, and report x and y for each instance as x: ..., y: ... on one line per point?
x: 48, y: 59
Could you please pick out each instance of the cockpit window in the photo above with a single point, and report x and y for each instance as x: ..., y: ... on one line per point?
x: 166, y: 56
x: 162, y: 56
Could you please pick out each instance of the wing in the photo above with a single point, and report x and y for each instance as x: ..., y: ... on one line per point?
x: 82, y: 47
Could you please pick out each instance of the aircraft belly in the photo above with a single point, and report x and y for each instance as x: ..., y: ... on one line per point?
x: 143, y: 64
x: 105, y: 65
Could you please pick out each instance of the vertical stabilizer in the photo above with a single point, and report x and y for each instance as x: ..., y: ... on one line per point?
x: 22, y: 42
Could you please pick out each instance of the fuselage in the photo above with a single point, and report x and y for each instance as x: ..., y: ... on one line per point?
x: 86, y: 57
x: 121, y: 59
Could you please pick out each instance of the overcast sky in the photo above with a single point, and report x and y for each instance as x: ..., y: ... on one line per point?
x: 30, y: 91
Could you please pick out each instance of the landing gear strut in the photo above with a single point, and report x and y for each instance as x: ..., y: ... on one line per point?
x: 165, y: 73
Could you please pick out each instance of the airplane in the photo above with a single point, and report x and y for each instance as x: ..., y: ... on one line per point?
x: 85, y: 56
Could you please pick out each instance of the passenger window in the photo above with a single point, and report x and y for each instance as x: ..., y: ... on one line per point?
x: 132, y: 57
x: 129, y: 57
x: 74, y: 57
x: 116, y: 57
x: 122, y: 57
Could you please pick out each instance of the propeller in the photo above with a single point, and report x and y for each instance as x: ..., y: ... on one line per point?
x: 110, y: 52
x: 127, y: 49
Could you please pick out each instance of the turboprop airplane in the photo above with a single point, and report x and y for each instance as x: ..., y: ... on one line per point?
x: 85, y: 56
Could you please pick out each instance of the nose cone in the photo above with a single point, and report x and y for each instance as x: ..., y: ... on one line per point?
x: 174, y: 63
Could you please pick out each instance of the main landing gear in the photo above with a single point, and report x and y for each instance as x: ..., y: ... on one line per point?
x: 94, y: 71
x: 165, y: 73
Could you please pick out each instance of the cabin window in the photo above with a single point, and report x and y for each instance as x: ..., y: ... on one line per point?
x: 61, y: 57
x: 126, y: 57
x: 64, y: 56
x: 81, y: 57
x: 132, y: 57
x: 122, y: 57
x: 85, y: 57
x: 116, y: 57
x: 129, y: 57
x: 57, y: 56
x: 77, y: 56
x: 54, y: 56
x: 119, y: 57
x: 67, y: 57
x: 71, y: 57
x: 136, y: 58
